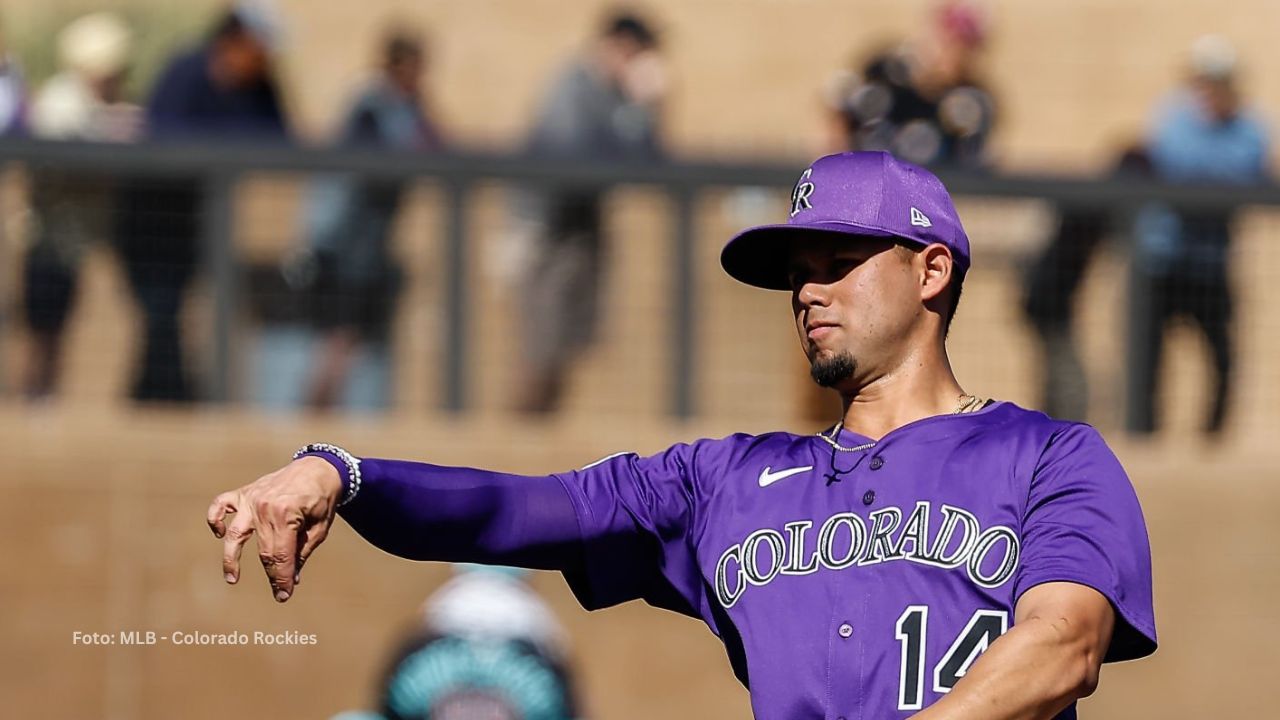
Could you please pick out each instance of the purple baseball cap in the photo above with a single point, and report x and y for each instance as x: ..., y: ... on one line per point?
x: 858, y: 194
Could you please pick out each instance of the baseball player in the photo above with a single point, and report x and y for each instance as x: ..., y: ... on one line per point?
x: 932, y: 554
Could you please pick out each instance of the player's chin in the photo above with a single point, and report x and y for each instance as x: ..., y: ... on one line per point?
x: 817, y: 351
x: 832, y: 368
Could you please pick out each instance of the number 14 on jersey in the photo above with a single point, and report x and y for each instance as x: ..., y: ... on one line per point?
x: 912, y: 631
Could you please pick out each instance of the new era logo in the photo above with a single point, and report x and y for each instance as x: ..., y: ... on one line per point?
x: 919, y: 219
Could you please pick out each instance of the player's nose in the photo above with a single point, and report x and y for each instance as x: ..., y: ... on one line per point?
x: 813, y: 293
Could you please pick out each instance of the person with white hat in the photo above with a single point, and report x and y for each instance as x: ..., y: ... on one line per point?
x: 83, y: 101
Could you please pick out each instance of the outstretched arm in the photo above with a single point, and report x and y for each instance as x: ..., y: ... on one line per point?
x: 415, y: 510
x: 1050, y: 658
x: 452, y: 514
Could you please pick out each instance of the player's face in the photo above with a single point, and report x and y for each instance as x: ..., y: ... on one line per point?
x: 856, y: 303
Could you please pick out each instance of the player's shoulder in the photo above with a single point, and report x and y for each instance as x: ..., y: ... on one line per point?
x: 742, y: 443
x: 1043, y: 437
x: 1006, y: 416
x: 715, y: 456
x: 719, y: 452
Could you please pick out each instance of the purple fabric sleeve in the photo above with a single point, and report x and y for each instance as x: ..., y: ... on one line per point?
x: 1083, y: 525
x: 637, y: 519
x: 452, y: 514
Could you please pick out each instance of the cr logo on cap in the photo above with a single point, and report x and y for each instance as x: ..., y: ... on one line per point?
x: 800, y: 195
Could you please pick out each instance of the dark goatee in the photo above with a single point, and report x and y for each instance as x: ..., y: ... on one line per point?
x: 830, y: 372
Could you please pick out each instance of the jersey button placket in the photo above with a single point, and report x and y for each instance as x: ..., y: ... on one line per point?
x: 869, y: 496
x: 846, y: 658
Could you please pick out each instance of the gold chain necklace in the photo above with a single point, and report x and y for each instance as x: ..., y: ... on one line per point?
x: 968, y: 403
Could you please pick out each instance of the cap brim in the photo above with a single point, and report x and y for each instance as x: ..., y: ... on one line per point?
x: 760, y: 256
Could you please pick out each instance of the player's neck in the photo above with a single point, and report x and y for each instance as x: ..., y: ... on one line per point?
x: 918, y: 388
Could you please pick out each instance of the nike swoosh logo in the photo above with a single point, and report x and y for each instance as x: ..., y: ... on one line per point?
x: 768, y: 478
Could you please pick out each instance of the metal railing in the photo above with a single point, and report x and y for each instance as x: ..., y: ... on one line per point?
x: 221, y: 165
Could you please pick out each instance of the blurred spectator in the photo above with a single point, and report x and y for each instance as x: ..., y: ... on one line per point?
x: 13, y: 92
x: 223, y: 89
x: 604, y: 105
x: 488, y: 649
x: 1202, y: 133
x: 71, y: 209
x: 1050, y: 292
x: 922, y: 100
x: 349, y: 223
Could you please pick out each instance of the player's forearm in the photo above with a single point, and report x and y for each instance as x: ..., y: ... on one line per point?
x: 1032, y: 672
x: 432, y: 512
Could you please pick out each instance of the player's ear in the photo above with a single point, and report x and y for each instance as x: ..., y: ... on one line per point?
x: 936, y: 266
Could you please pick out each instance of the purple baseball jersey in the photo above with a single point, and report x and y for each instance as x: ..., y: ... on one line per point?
x: 864, y: 582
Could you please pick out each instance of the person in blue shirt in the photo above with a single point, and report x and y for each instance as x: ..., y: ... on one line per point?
x: 224, y: 89
x: 1202, y: 133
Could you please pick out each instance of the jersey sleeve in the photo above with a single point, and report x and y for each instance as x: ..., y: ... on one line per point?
x: 1083, y: 524
x: 635, y: 515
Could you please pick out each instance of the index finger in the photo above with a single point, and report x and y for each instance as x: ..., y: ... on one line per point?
x: 218, y: 509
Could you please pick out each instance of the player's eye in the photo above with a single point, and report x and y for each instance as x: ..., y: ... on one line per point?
x: 842, y: 266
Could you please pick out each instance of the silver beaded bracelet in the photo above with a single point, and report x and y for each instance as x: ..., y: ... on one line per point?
x: 351, y: 461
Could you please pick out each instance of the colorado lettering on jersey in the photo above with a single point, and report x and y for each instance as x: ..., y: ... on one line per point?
x: 845, y: 540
